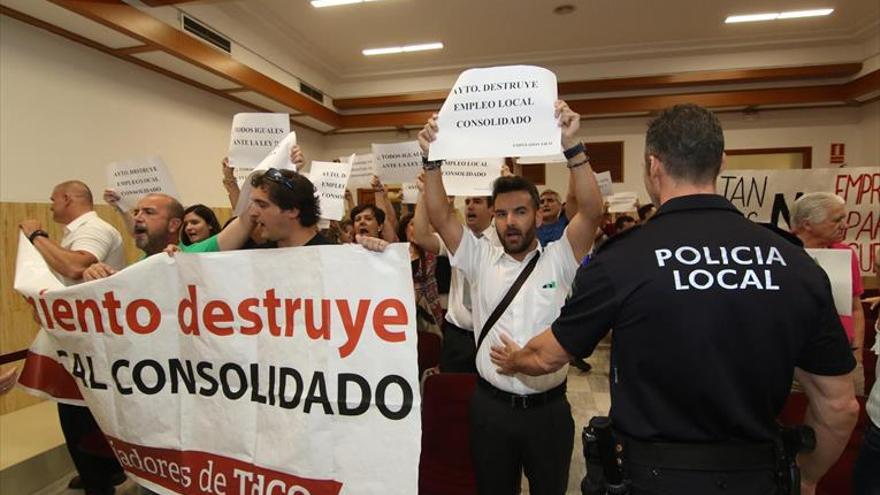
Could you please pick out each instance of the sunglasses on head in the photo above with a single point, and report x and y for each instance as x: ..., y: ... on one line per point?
x: 277, y: 177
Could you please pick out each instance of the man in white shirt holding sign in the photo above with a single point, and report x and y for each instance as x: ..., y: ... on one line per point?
x: 518, y: 422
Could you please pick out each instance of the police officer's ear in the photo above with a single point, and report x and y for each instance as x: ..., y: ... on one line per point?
x: 723, y: 162
x: 654, y: 167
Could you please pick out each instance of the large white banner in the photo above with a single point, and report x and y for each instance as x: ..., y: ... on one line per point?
x: 135, y: 178
x: 280, y: 371
x: 499, y: 111
x: 768, y: 196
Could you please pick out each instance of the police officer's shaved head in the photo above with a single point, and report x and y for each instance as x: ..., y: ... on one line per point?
x: 689, y: 141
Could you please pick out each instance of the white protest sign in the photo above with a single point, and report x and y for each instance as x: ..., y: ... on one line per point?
x: 202, y: 385
x: 330, y: 179
x: 255, y: 135
x: 837, y: 264
x: 362, y: 171
x: 604, y: 181
x: 471, y: 177
x: 500, y: 111
x: 397, y: 163
x: 622, y: 202
x: 768, y: 196
x: 410, y: 193
x: 278, y: 158
x: 133, y: 179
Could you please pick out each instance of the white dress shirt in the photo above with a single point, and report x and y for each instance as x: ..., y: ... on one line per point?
x: 459, y: 308
x: 89, y: 233
x: 491, y: 272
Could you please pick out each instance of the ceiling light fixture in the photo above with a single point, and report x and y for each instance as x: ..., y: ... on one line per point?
x: 334, y: 3
x: 402, y: 49
x: 772, y: 16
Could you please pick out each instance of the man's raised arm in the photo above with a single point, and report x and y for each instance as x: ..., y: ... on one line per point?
x: 424, y: 237
x: 441, y: 216
x: 582, y: 226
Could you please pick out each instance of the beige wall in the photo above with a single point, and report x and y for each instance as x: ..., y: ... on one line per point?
x: 68, y: 111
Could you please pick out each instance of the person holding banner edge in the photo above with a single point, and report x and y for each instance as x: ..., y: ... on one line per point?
x: 87, y: 240
x: 518, y: 424
x: 704, y: 350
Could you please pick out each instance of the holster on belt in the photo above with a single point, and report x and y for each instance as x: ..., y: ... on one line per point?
x: 792, y: 441
x: 602, y: 454
x: 607, y: 454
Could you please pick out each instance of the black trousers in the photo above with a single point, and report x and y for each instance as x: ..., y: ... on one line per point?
x: 506, y: 441
x: 652, y: 480
x: 96, y: 472
x: 459, y: 352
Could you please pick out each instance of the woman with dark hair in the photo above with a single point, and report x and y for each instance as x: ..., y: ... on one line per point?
x: 424, y: 266
x: 199, y: 223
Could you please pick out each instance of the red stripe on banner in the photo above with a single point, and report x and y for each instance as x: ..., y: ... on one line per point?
x: 47, y: 375
x: 193, y: 472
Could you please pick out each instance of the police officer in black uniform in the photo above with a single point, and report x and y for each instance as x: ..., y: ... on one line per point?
x: 712, y: 316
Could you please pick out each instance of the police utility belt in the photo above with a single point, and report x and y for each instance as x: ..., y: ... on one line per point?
x: 608, y: 452
x: 514, y: 400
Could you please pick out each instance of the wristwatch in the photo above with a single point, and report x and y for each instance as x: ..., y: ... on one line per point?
x: 38, y: 233
x: 574, y: 150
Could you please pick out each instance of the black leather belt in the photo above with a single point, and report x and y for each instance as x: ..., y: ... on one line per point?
x: 726, y: 456
x: 516, y: 401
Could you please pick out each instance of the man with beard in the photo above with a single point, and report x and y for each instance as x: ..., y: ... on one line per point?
x: 517, y: 422
x: 157, y: 220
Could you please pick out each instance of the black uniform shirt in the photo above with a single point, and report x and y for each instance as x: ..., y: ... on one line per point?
x: 711, y: 312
